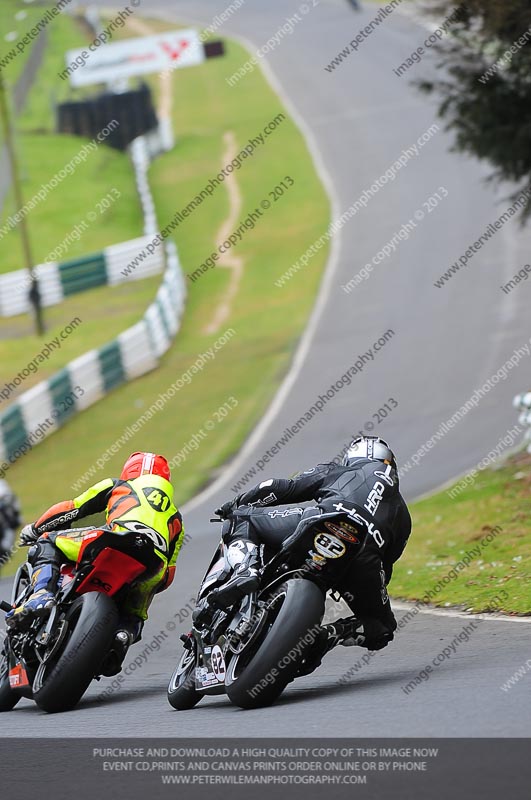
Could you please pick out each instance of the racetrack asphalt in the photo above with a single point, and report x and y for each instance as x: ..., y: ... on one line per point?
x: 446, y: 343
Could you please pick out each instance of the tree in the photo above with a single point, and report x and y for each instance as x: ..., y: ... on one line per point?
x: 485, y: 85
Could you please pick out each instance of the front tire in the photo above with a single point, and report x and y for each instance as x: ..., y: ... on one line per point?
x: 182, y: 694
x: 299, y: 618
x: 93, y: 619
x: 8, y: 698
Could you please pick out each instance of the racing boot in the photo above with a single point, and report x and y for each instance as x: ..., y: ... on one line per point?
x: 204, y: 613
x: 129, y: 632
x: 44, y: 585
x: 347, y: 632
x: 243, y: 556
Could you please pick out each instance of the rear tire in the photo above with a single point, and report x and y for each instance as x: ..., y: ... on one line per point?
x: 182, y: 694
x: 301, y: 611
x: 61, y: 685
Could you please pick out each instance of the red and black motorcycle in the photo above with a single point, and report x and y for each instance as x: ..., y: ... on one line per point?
x: 54, y: 660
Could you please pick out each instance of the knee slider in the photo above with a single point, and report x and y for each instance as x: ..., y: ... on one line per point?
x: 44, y: 552
x: 33, y: 553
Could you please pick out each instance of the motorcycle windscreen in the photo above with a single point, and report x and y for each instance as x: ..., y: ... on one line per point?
x: 112, y: 570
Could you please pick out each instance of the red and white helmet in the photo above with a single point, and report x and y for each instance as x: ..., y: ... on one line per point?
x: 145, y: 464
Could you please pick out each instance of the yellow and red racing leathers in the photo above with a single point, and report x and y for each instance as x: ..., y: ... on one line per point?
x: 148, y: 500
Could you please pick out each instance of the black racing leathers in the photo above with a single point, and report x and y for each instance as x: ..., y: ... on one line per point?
x: 371, y: 489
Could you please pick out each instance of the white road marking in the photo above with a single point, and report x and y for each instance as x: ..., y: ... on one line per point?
x: 433, y: 611
x: 453, y: 612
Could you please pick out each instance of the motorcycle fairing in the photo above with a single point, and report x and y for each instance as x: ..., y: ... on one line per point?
x: 112, y: 569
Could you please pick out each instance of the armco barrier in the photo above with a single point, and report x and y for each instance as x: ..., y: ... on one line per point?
x: 57, y: 281
x: 47, y: 406
x: 523, y: 403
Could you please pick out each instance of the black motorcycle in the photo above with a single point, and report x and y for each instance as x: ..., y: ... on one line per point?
x: 254, y: 649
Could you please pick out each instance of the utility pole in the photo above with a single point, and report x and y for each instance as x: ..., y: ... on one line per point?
x: 34, y: 293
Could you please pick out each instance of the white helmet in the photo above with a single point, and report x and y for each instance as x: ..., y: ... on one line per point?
x: 371, y: 447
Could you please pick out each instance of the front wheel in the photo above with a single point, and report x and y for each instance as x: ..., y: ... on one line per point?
x: 296, y: 610
x: 62, y: 680
x: 8, y: 698
x: 182, y: 694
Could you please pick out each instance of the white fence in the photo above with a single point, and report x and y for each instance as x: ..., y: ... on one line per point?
x: 38, y: 412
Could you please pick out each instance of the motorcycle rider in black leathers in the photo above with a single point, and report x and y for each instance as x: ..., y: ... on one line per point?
x: 366, y: 481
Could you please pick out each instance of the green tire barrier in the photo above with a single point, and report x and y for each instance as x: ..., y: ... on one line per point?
x: 44, y: 408
x: 47, y: 406
x: 57, y: 281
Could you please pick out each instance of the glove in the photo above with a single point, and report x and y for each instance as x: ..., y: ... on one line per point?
x: 226, y: 509
x: 28, y: 535
x: 376, y: 634
x: 380, y: 643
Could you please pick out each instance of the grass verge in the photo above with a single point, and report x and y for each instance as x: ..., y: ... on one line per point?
x: 16, y: 20
x: 495, y: 506
x: 43, y: 154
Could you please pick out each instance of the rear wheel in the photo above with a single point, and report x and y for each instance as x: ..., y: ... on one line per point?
x: 182, y: 694
x: 257, y: 679
x: 63, y: 679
